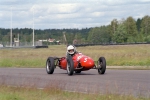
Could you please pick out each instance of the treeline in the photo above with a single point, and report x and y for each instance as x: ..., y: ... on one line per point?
x: 122, y: 31
x: 126, y: 30
x: 26, y: 34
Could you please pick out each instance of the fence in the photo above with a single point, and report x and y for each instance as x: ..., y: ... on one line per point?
x: 82, y: 45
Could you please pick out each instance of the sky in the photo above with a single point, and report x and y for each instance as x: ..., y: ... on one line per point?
x: 68, y: 14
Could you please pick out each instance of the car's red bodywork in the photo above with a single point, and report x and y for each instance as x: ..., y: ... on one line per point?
x: 76, y: 63
x: 85, y: 62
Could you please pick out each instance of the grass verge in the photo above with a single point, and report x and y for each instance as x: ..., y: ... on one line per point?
x: 24, y: 93
x: 116, y: 55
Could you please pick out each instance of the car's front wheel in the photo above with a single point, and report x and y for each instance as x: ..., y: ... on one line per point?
x: 70, y: 65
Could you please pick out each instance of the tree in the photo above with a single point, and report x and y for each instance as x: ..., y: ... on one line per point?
x: 70, y: 38
x: 113, y: 27
x: 138, y: 24
x: 131, y: 29
x: 120, y: 36
x: 91, y: 35
x: 99, y: 35
x: 78, y: 38
x: 147, y: 39
x: 145, y: 25
x: 0, y: 36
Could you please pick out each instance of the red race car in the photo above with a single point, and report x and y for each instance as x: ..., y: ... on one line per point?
x: 76, y: 63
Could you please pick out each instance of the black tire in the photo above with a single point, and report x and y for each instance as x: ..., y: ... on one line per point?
x: 101, y: 65
x: 70, y: 65
x: 50, y: 65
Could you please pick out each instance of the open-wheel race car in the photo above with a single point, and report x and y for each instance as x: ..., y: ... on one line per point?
x: 76, y: 63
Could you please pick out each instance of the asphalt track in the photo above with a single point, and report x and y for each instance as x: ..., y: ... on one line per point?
x: 134, y: 82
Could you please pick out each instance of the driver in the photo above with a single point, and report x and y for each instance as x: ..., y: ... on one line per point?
x: 71, y: 50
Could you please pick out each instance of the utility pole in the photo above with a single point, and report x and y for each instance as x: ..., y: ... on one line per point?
x: 11, y: 29
x: 18, y: 40
x: 33, y: 26
x: 65, y: 38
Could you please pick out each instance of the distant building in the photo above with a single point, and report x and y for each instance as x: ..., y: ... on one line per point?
x: 43, y: 40
x: 51, y: 40
x: 16, y: 42
x: 1, y: 45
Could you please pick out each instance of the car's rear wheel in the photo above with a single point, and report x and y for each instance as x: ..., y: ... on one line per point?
x: 50, y: 65
x: 101, y: 65
x: 70, y: 65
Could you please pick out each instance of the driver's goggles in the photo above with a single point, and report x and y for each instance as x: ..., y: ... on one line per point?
x: 71, y: 50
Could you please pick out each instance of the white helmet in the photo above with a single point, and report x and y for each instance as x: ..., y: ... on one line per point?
x: 71, y: 49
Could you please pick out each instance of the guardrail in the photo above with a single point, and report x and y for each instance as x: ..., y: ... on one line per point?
x: 24, y: 47
x: 82, y: 45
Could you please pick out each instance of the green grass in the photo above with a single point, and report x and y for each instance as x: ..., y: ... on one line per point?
x: 21, y: 62
x: 22, y: 93
x: 116, y: 55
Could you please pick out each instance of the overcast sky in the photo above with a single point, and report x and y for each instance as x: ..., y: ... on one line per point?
x: 49, y: 14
